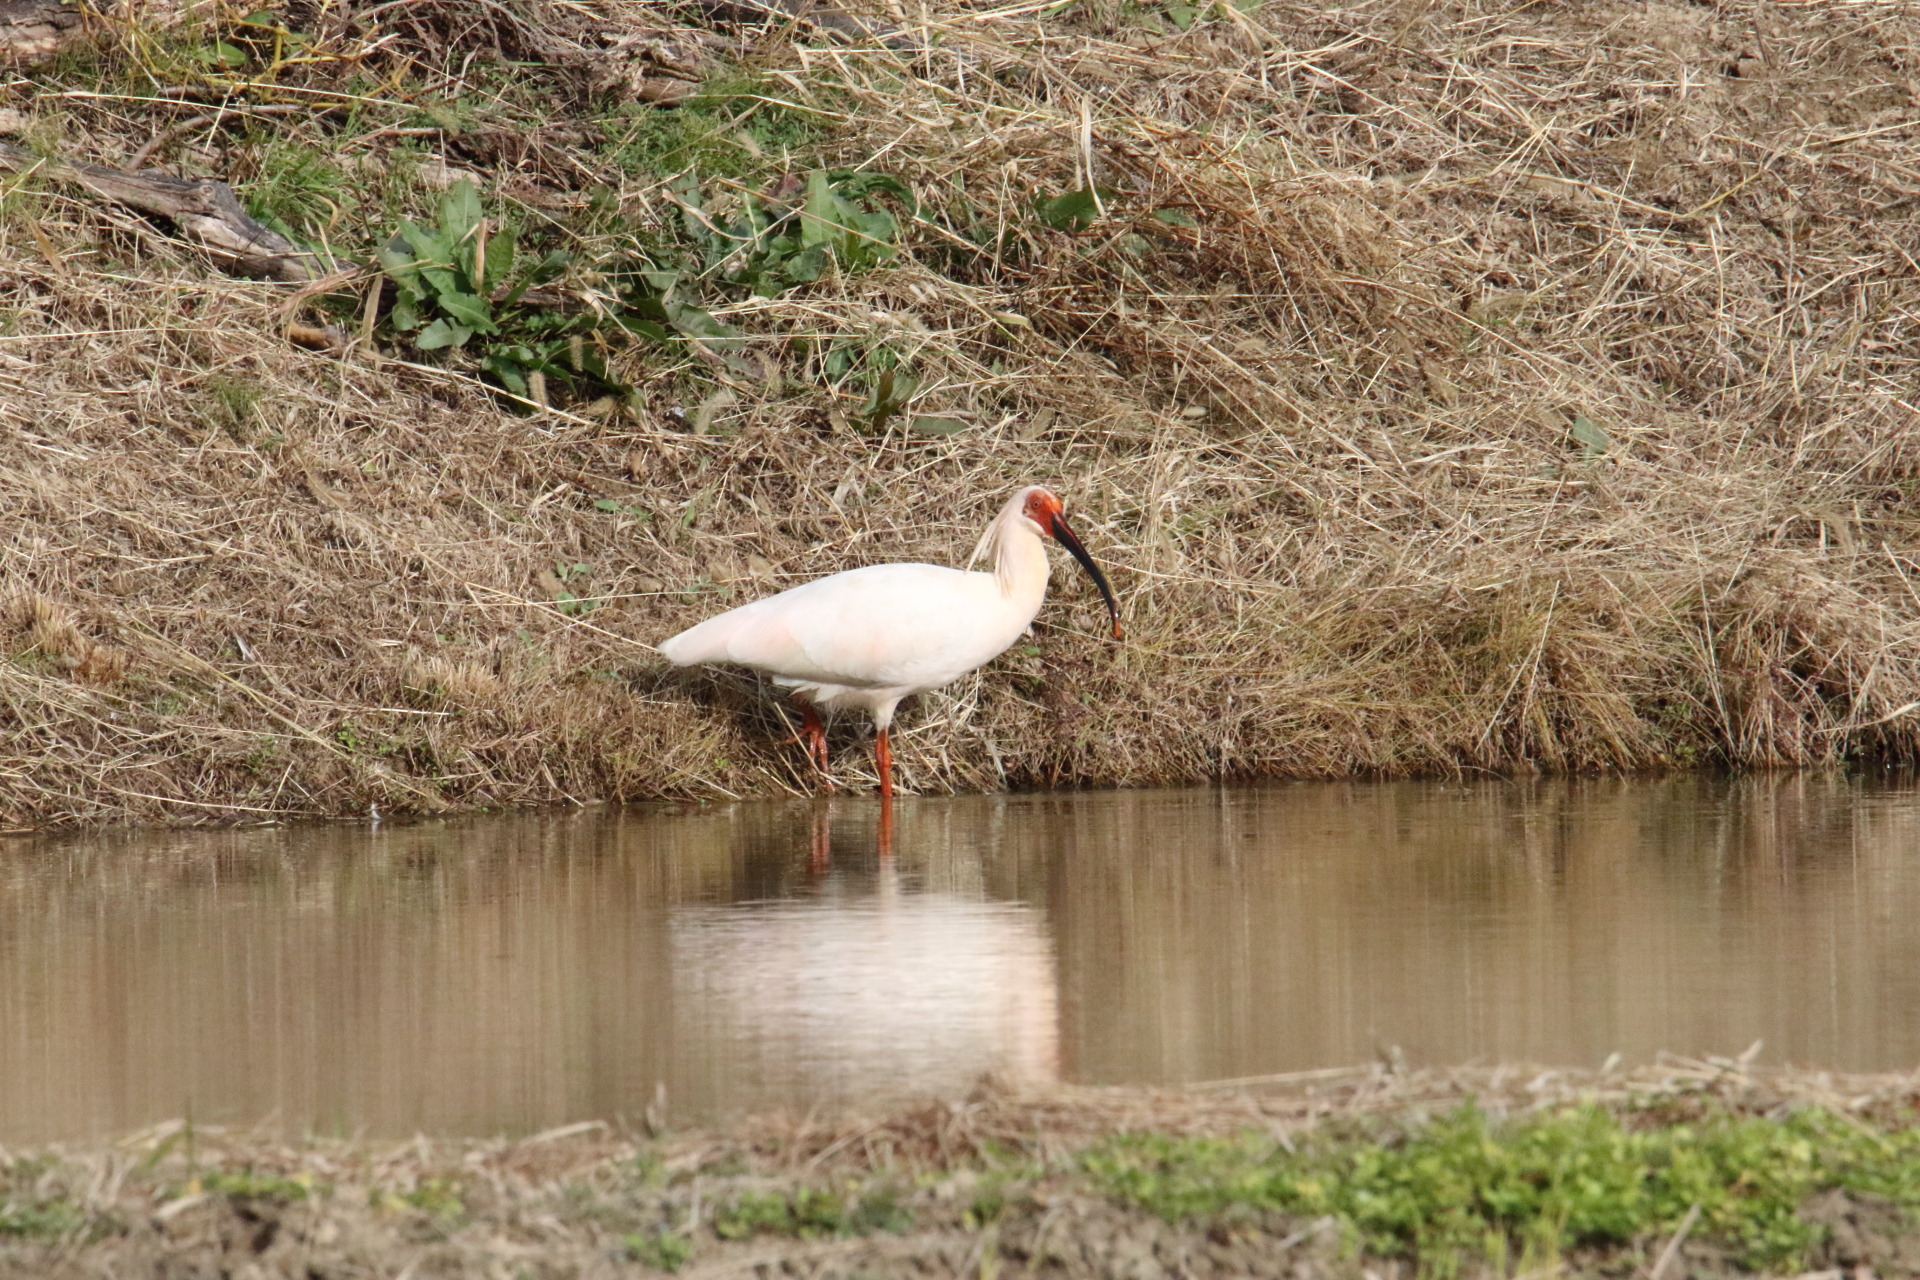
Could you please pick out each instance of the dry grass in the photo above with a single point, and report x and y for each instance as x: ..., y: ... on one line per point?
x: 1506, y: 388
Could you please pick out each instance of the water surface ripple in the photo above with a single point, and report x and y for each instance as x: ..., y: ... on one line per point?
x: 502, y: 975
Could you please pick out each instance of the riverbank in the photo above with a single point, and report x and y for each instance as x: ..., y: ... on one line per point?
x: 1488, y: 389
x: 1684, y: 1168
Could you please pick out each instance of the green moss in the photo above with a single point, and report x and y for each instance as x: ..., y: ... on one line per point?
x: 1464, y: 1186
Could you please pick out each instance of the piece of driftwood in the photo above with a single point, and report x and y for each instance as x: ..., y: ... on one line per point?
x: 31, y: 31
x: 203, y: 208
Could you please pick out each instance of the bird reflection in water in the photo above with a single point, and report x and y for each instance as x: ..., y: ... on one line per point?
x: 820, y: 833
x: 871, y: 982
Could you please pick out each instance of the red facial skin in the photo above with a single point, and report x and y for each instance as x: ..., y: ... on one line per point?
x: 1045, y: 510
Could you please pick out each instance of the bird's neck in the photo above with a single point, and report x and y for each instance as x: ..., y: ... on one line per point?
x: 1020, y: 566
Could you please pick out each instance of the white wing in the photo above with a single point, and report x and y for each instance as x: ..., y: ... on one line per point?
x: 884, y: 626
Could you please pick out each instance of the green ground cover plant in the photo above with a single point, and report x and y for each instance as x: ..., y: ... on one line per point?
x: 1464, y: 1191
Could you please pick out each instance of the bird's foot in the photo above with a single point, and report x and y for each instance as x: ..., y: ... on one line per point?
x: 813, y: 737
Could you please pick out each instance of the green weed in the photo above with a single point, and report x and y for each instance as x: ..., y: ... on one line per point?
x: 437, y: 1197
x: 662, y: 1249
x: 441, y: 1197
x: 879, y: 1210
x: 248, y: 1185
x: 464, y: 278
x: 32, y: 1217
x: 573, y: 599
x: 810, y: 1213
x: 1463, y: 1186
x: 753, y: 1213
x: 295, y: 188
x: 728, y: 130
x: 771, y: 245
x: 231, y: 403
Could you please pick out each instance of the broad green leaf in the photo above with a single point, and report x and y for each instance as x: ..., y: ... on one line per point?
x: 468, y: 310
x: 1175, y: 217
x: 1074, y: 211
x: 424, y: 243
x: 442, y: 333
x: 692, y: 212
x: 459, y: 211
x: 807, y: 266
x: 547, y: 268
x: 851, y: 184
x: 551, y: 266
x: 500, y: 249
x: 444, y: 279
x: 1593, y: 439
x: 875, y: 235
x: 405, y: 316
x: 890, y: 394
x: 395, y: 255
x: 820, y: 223
x: 697, y: 323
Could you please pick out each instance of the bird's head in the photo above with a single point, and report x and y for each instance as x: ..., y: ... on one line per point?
x: 1048, y: 515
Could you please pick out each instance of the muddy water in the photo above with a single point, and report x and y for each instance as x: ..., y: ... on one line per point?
x: 509, y: 974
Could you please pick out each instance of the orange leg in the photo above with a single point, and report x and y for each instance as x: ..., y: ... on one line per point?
x: 883, y: 764
x: 822, y: 852
x: 813, y: 735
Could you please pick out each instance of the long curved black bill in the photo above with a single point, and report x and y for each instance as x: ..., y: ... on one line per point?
x: 1065, y: 537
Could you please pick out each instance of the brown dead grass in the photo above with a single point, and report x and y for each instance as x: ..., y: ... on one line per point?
x: 1532, y: 389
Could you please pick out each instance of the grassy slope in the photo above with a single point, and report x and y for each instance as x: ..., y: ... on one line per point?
x: 1448, y: 387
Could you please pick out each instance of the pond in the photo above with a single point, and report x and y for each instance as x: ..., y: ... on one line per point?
x: 690, y: 963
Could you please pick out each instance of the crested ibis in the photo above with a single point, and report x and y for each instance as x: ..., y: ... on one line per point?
x: 867, y: 638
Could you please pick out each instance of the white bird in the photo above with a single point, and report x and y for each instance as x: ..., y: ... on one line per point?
x: 867, y: 638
